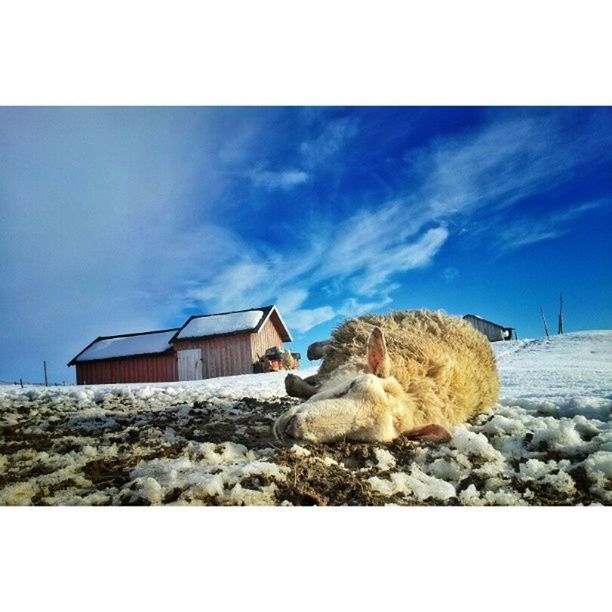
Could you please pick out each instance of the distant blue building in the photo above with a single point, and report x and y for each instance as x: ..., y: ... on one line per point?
x: 493, y: 331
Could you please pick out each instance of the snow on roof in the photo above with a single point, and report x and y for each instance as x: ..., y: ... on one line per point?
x: 124, y: 346
x: 212, y: 325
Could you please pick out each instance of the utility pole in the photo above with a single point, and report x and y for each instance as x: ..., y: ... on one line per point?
x: 545, y: 324
x: 45, y: 367
x: 561, y: 315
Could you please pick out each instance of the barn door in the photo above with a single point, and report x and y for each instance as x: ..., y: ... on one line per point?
x: 190, y: 364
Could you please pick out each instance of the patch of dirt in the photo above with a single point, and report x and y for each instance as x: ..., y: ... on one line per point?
x: 250, y: 422
x: 332, y: 475
x: 313, y: 483
x: 49, y: 490
x: 105, y: 473
x: 328, y: 474
x: 15, y: 438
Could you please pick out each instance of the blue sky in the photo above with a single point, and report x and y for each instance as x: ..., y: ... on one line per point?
x: 129, y: 219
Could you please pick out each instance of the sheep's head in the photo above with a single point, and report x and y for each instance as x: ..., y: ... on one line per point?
x: 359, y: 407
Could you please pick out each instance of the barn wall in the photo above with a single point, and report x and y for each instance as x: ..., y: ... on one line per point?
x: 491, y: 331
x: 222, y: 356
x: 267, y: 337
x: 153, y: 368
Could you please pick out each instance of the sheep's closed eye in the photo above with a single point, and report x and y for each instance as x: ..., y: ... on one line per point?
x: 346, y: 390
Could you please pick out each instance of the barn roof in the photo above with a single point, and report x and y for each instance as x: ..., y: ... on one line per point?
x: 126, y: 345
x: 196, y: 326
x: 472, y: 316
x: 229, y: 323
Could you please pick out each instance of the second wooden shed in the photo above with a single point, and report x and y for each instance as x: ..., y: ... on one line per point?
x: 493, y: 331
x: 228, y: 343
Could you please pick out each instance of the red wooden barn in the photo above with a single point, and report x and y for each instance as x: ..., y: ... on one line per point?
x: 205, y: 346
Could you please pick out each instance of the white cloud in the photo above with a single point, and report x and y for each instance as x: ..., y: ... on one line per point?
x: 103, y: 232
x: 314, y: 153
x: 517, y: 233
x: 487, y: 171
x: 285, y: 179
x: 453, y: 183
x: 353, y: 308
x: 359, y: 255
x: 98, y: 225
x: 305, y: 319
x: 290, y: 300
x: 233, y: 287
x: 371, y: 246
x: 399, y: 258
x: 449, y: 274
x: 330, y: 141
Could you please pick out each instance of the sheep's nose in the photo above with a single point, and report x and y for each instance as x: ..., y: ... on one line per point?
x: 291, y: 428
x: 286, y: 426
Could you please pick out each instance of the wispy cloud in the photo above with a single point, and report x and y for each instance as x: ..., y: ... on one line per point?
x: 115, y: 219
x: 305, y: 319
x: 329, y: 142
x: 100, y: 227
x: 360, y: 255
x: 284, y: 179
x: 449, y: 274
x: 524, y: 231
x: 353, y: 307
x: 461, y: 184
x: 313, y: 155
x: 473, y: 176
x: 229, y: 285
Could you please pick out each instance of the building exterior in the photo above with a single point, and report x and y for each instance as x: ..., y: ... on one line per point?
x: 227, y: 344
x: 145, y: 357
x: 493, y: 331
x: 205, y: 346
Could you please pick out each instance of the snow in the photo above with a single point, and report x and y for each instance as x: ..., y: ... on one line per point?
x: 142, y: 344
x: 416, y: 483
x: 157, y: 395
x: 208, y: 471
x: 470, y: 443
x: 547, y: 441
x: 562, y: 376
x: 384, y: 458
x: 300, y: 451
x: 211, y: 325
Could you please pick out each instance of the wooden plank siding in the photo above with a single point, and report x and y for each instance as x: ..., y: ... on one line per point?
x: 267, y: 337
x: 222, y: 356
x: 151, y: 368
x: 492, y: 331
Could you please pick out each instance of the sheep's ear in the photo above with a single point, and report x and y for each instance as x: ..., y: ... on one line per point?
x: 378, y: 359
x: 428, y: 433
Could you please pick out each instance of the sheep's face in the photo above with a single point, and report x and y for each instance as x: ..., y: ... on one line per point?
x: 360, y: 407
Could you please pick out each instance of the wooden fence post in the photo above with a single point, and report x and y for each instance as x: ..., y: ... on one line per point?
x: 561, y: 314
x: 545, y: 324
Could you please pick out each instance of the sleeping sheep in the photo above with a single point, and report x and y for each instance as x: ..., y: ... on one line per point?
x: 415, y: 373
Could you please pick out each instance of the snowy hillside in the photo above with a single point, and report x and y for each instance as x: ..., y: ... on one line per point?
x: 568, y: 375
x: 547, y: 441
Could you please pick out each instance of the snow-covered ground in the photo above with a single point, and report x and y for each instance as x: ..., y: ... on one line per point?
x: 547, y: 441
